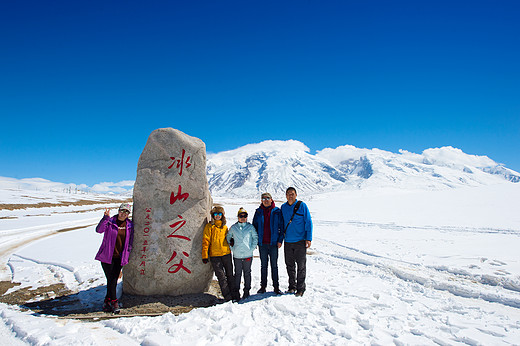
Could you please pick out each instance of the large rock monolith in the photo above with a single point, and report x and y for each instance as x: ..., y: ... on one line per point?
x: 171, y: 206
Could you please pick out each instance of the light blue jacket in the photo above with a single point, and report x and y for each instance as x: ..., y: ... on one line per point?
x: 245, y: 239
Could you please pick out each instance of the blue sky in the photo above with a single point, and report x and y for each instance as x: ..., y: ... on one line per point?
x: 84, y: 83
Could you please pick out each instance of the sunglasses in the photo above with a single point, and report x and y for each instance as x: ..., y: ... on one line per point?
x: 266, y: 198
x: 217, y: 214
x: 242, y: 215
x: 124, y: 211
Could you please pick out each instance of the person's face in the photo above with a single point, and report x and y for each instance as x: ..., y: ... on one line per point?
x: 291, y: 196
x: 123, y: 214
x: 242, y: 218
x: 217, y: 216
x: 266, y: 201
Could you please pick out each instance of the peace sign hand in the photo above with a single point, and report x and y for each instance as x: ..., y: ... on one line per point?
x: 107, y: 212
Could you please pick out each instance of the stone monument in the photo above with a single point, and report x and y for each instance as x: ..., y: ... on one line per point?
x: 171, y: 207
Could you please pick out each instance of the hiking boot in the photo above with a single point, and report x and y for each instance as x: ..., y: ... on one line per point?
x: 107, y: 307
x: 261, y: 290
x: 115, y: 306
x: 277, y: 291
x: 246, y: 294
x: 291, y: 291
x: 299, y: 293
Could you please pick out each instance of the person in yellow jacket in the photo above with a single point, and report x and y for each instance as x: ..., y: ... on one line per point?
x: 216, y: 248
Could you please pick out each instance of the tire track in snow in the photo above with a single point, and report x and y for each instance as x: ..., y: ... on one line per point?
x: 393, y: 226
x: 466, y: 286
x: 15, y: 242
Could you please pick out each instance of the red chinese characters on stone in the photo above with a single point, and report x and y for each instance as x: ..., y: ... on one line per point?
x: 180, y: 162
x: 179, y: 225
x: 146, y: 231
x: 178, y: 266
x: 180, y: 196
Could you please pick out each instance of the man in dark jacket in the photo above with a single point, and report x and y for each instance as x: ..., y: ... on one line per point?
x: 269, y: 225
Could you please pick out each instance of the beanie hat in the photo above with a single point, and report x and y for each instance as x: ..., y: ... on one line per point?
x: 241, y: 211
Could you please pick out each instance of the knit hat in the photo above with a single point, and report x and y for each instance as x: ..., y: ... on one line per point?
x: 266, y: 194
x: 241, y: 211
x: 125, y: 206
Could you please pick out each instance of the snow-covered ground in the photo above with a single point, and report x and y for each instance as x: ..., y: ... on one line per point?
x: 385, y: 267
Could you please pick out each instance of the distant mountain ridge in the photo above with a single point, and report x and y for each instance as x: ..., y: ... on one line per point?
x: 274, y: 165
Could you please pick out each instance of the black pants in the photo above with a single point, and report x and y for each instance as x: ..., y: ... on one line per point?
x: 112, y: 272
x: 223, y: 267
x: 296, y: 255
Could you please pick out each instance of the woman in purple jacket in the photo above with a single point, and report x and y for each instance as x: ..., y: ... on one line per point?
x: 118, y: 237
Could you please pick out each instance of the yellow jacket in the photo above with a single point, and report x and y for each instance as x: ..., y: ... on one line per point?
x: 214, y: 239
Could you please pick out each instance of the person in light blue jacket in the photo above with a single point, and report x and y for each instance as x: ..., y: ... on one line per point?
x: 242, y: 238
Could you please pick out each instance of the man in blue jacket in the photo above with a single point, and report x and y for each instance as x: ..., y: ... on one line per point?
x: 298, y: 237
x: 269, y: 225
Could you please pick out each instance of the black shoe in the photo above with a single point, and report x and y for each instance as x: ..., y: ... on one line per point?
x: 277, y: 291
x: 246, y: 294
x: 299, y: 293
x: 261, y: 290
x: 291, y: 291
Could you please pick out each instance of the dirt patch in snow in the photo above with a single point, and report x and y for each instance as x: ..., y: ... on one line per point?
x: 57, y: 300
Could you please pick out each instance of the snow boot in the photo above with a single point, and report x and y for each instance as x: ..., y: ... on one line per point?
x: 115, y: 306
x: 107, y: 307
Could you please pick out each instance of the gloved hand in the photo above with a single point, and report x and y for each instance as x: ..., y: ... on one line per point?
x: 204, y: 260
x: 231, y: 242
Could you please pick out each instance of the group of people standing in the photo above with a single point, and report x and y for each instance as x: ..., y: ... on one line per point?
x: 271, y: 226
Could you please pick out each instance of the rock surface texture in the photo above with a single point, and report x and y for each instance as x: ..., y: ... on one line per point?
x: 171, y: 206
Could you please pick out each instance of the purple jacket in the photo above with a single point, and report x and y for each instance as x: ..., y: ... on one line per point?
x: 108, y: 226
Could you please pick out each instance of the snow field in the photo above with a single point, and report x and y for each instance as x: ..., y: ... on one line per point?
x: 374, y: 276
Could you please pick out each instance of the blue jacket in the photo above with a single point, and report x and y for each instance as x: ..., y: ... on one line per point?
x: 276, y: 222
x: 245, y: 239
x: 301, y: 225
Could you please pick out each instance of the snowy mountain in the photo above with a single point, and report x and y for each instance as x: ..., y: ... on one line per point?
x: 274, y: 165
x: 31, y: 187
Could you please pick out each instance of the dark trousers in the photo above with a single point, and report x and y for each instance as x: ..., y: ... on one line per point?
x: 223, y: 267
x: 268, y: 254
x: 243, y: 265
x: 112, y: 271
x: 296, y: 255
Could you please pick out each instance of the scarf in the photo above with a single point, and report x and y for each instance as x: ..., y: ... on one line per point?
x: 266, y: 239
